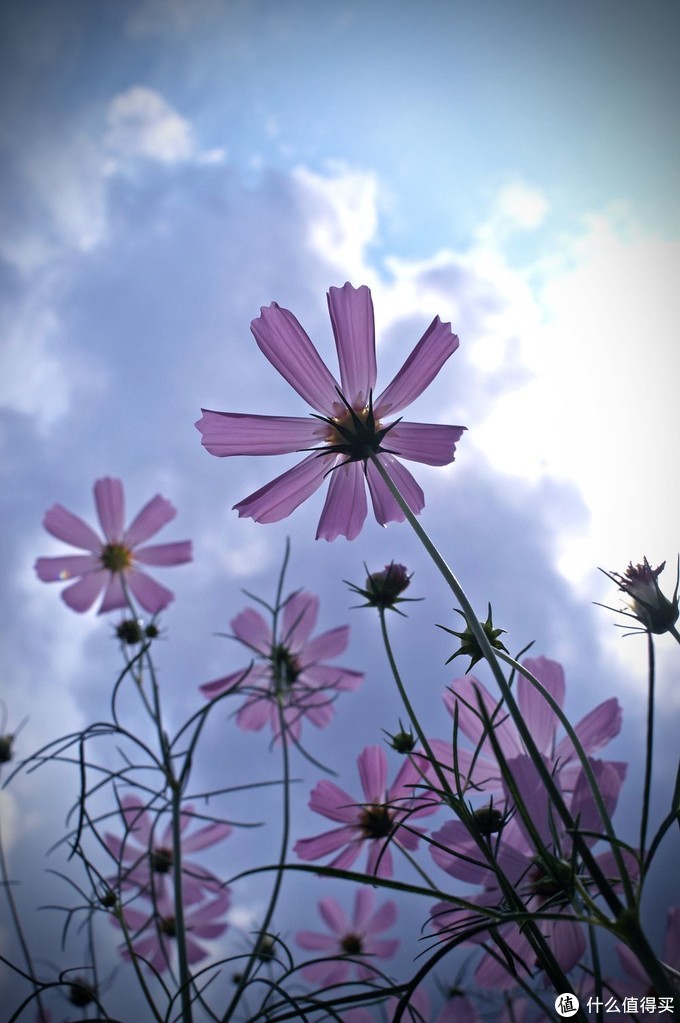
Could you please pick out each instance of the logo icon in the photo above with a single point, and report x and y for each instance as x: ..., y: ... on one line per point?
x: 567, y: 1004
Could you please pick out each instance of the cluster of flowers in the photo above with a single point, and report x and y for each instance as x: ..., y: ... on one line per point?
x: 526, y: 800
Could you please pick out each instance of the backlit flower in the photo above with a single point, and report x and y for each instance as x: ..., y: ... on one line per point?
x: 655, y: 612
x: 348, y: 425
x: 113, y: 559
x: 383, y: 816
x: 145, y: 854
x: 478, y: 767
x: 351, y: 944
x: 290, y: 677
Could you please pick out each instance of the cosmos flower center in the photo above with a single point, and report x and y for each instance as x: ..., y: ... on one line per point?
x: 116, y: 557
x: 168, y: 926
x: 161, y: 860
x: 285, y: 669
x: 352, y: 945
x: 550, y: 882
x: 376, y: 821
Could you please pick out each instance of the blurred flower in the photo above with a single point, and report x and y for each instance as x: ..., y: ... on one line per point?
x: 154, y: 930
x: 6, y: 748
x: 376, y: 821
x: 351, y: 940
x: 290, y: 675
x: 348, y: 425
x: 478, y: 768
x: 655, y: 612
x: 543, y: 882
x: 111, y: 563
x: 145, y: 858
x: 80, y: 993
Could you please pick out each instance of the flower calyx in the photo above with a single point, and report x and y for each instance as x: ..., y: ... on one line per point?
x: 383, y: 589
x: 652, y: 609
x: 469, y: 644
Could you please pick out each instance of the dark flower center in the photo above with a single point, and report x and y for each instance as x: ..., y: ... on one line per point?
x: 352, y: 945
x: 161, y: 860
x: 376, y: 822
x: 168, y: 926
x: 116, y: 557
x: 355, y: 434
x: 285, y: 669
x: 551, y: 881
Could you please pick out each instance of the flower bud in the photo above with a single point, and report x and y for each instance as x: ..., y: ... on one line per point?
x: 655, y: 612
x: 469, y: 645
x: 383, y: 589
x: 402, y: 741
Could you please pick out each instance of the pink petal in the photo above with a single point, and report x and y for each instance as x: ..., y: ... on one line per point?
x: 282, y: 340
x: 380, y: 863
x: 234, y: 433
x: 151, y: 595
x: 469, y: 692
x: 81, y: 595
x: 327, y: 676
x: 423, y: 442
x: 313, y: 941
x: 276, y: 500
x: 345, y: 508
x: 204, y: 837
x: 155, y: 514
x: 351, y: 311
x: 364, y: 902
x: 327, y: 645
x: 372, y: 764
x: 196, y: 951
x: 384, y: 918
x: 594, y: 730
x: 299, y: 618
x: 334, y: 916
x: 330, y: 801
x: 538, y: 715
x: 114, y: 596
x: 71, y: 529
x: 219, y: 685
x: 460, y: 858
x: 385, y: 508
x: 254, y: 714
x: 427, y: 358
x: 165, y: 553
x: 534, y: 795
x: 583, y: 806
x: 137, y: 820
x: 110, y: 503
x: 70, y: 566
x: 327, y: 842
x: 671, y: 945
x: 383, y: 948
x: 251, y: 628
x: 566, y: 939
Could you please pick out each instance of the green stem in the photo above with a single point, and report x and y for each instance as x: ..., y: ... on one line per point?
x: 644, y: 822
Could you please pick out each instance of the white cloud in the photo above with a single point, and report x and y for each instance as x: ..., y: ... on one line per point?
x: 143, y: 124
x: 32, y: 378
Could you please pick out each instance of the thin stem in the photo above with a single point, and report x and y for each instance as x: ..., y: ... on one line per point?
x: 649, y: 748
x: 184, y: 974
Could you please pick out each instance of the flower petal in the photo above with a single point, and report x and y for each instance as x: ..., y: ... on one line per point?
x: 277, y: 499
x: 333, y: 915
x: 332, y: 802
x: 69, y: 566
x: 326, y: 644
x: 385, y: 508
x: 594, y: 730
x: 235, y: 433
x: 351, y: 311
x: 110, y: 502
x: 81, y: 595
x: 345, y: 508
x: 299, y: 618
x: 325, y: 843
x: 165, y: 553
x: 427, y: 358
x: 151, y: 595
x: 539, y: 716
x: 372, y: 765
x: 155, y: 514
x: 424, y: 442
x: 285, y: 344
x: 71, y: 529
x: 204, y: 837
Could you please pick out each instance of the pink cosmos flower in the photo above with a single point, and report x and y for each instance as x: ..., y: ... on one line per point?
x: 457, y: 1009
x: 153, y: 931
x: 145, y: 858
x: 347, y: 423
x: 381, y: 818
x: 110, y: 563
x: 480, y: 767
x: 351, y: 940
x: 540, y: 885
x: 291, y: 672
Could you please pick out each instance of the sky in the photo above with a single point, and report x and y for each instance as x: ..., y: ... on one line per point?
x: 169, y: 168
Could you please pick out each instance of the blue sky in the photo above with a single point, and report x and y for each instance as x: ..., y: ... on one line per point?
x: 171, y: 167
